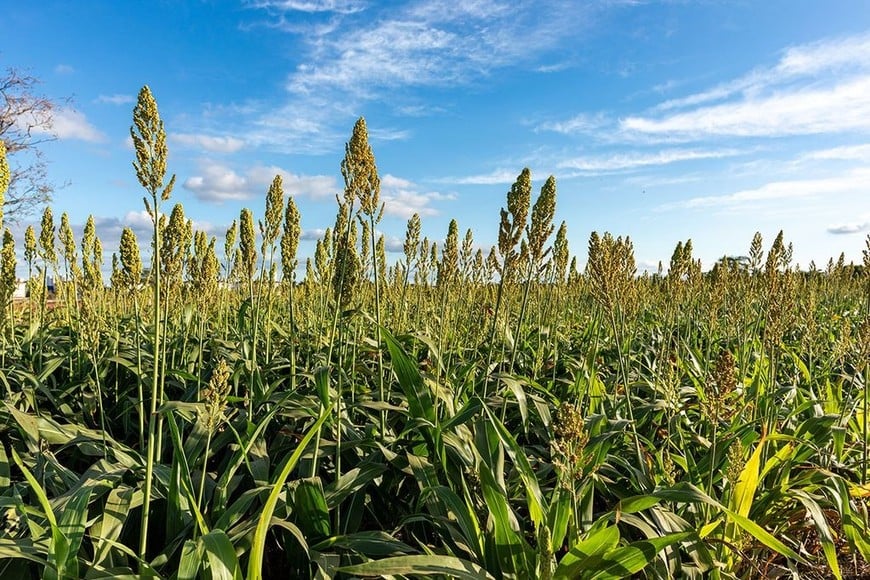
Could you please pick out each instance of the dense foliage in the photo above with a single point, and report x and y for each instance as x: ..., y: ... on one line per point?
x: 454, y: 414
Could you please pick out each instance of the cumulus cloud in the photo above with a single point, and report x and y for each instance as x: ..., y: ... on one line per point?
x: 312, y: 235
x: 64, y: 123
x: 403, y: 198
x: 854, y: 228
x: 217, y: 182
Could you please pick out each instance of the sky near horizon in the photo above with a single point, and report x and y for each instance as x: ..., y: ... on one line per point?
x: 664, y: 121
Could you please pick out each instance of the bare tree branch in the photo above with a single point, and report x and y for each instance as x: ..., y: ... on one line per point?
x: 25, y: 124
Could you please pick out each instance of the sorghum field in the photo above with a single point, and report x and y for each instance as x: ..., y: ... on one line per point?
x: 455, y: 414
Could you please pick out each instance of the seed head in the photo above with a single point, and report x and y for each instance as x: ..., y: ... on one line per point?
x: 69, y: 246
x: 449, y: 265
x: 412, y: 240
x: 131, y: 262
x: 46, y: 236
x: 5, y: 177
x: 274, y: 209
x: 247, y: 244
x: 7, y: 274
x: 513, y: 220
x: 29, y: 244
x: 361, y: 181
x: 542, y: 223
x: 560, y: 253
x: 215, y: 396
x: 290, y: 240
x: 756, y: 253
x: 149, y: 141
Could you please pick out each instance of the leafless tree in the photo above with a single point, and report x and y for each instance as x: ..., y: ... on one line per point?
x: 25, y: 124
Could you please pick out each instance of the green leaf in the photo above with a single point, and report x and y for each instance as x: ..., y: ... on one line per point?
x: 5, y: 480
x: 59, y: 544
x: 536, y: 503
x: 191, y: 560
x: 420, y: 401
x: 596, y: 544
x: 464, y: 514
x: 447, y: 566
x: 513, y: 555
x: 626, y: 561
x: 258, y: 545
x: 371, y: 544
x: 636, y: 504
x: 222, y: 560
x: 824, y: 532
x: 72, y: 526
x: 312, y: 514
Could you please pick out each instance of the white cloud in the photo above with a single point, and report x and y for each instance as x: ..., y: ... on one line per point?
x: 72, y: 124
x: 403, y: 198
x: 822, y: 87
x: 844, y: 153
x: 853, y: 228
x: 623, y: 161
x: 312, y: 235
x: 212, y: 143
x: 218, y: 183
x: 338, y: 6
x: 312, y: 186
x: 582, y: 123
x: 496, y: 177
x: 386, y: 134
x: 854, y: 182
x: 64, y: 69
x: 351, y: 60
x: 844, y: 107
x: 116, y: 99
x: 138, y: 221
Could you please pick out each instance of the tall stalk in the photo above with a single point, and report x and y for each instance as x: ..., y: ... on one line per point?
x: 149, y: 141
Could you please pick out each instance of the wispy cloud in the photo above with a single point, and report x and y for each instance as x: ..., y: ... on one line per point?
x: 387, y: 53
x: 844, y: 107
x: 856, y: 182
x: 582, y: 123
x: 310, y: 6
x: 64, y: 69
x: 842, y: 153
x: 495, y: 177
x: 212, y: 143
x: 116, y: 99
x: 822, y: 87
x: 217, y: 183
x: 624, y: 161
x: 431, y: 43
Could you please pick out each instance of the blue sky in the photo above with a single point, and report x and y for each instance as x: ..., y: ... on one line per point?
x: 664, y: 121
